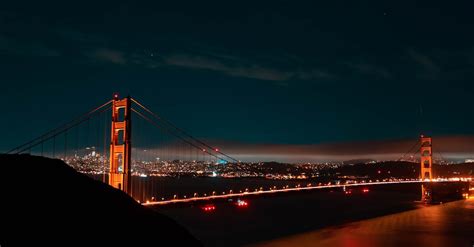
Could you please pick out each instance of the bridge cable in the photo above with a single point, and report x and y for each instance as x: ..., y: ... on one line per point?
x: 43, y: 137
x: 58, y: 131
x: 182, y: 131
x: 409, y: 150
x: 174, y: 134
x: 104, y: 147
x: 441, y: 156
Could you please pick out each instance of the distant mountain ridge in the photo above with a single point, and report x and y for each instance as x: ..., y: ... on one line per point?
x: 358, y: 161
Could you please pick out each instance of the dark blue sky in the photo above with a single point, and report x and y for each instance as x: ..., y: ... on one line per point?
x: 280, y: 72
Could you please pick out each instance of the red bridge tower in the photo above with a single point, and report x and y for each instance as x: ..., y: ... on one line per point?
x: 426, y: 162
x: 120, y: 145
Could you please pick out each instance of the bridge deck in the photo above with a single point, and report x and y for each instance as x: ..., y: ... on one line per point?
x: 260, y: 192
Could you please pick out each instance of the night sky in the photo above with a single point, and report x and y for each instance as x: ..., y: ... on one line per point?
x: 284, y: 73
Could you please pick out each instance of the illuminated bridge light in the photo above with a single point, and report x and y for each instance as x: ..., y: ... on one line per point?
x: 286, y: 188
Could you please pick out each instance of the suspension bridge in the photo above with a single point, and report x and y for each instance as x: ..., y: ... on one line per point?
x: 100, y: 143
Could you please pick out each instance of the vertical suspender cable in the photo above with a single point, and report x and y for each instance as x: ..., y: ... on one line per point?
x: 54, y: 147
x: 104, y: 156
x: 65, y: 145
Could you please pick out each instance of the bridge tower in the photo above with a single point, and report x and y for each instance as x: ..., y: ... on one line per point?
x: 426, y: 162
x: 120, y: 145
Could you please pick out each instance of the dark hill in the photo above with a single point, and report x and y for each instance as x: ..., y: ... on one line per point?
x: 45, y: 202
x: 387, y: 169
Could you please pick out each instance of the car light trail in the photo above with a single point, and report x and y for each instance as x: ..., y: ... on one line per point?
x: 242, y: 203
x: 208, y: 208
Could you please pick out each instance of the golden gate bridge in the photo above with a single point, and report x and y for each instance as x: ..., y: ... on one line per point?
x: 112, y: 148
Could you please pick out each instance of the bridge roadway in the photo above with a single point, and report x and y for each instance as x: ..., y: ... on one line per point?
x: 260, y: 192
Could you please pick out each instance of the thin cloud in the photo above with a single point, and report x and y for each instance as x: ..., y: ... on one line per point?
x: 108, y: 55
x: 314, y: 73
x: 369, y: 69
x: 228, y: 66
x: 221, y: 63
x: 424, y: 60
x: 233, y: 66
x: 430, y: 70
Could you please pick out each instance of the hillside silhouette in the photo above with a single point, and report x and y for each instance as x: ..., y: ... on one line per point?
x: 45, y: 202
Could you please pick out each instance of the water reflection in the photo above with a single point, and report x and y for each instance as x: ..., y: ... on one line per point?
x: 450, y: 224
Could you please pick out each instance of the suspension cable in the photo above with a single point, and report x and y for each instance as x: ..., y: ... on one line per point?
x: 45, y: 136
x: 174, y: 134
x: 58, y: 131
x: 409, y: 150
x: 182, y: 131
